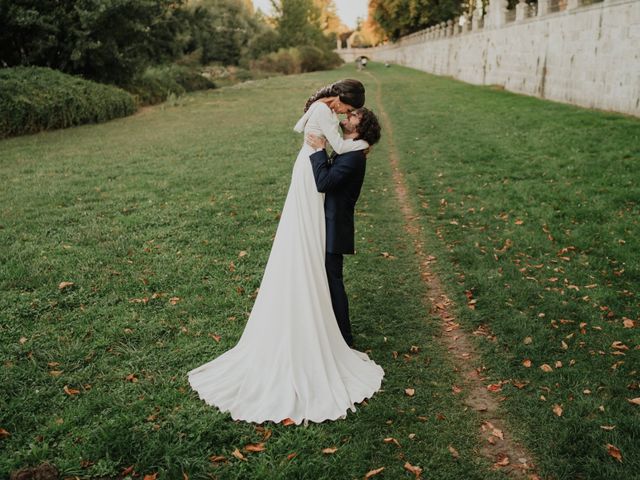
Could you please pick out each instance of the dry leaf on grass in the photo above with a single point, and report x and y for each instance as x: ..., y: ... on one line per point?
x: 329, y: 450
x: 126, y: 471
x: 619, y: 345
x: 413, y: 469
x: 372, y: 473
x: 391, y: 440
x: 557, y: 409
x: 217, y: 458
x: 236, y: 453
x: 254, y: 447
x: 410, y: 392
x: 614, y: 452
x: 70, y: 391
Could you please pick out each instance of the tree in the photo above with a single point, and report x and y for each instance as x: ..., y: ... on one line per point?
x: 298, y: 23
x: 104, y: 40
x: 402, y: 17
x: 221, y: 29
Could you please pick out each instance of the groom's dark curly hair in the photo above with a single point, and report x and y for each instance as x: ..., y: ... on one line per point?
x: 369, y: 128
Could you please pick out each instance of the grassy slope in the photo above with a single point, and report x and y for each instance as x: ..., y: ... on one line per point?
x: 532, y: 207
x: 163, y: 202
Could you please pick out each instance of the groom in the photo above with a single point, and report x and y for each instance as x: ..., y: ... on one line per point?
x: 340, y: 177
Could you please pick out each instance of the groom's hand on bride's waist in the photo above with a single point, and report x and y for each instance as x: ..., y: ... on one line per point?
x: 316, y: 142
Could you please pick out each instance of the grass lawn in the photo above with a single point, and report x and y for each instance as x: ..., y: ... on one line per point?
x: 533, y: 210
x: 163, y: 223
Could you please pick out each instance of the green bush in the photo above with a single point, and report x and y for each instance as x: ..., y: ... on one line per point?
x: 157, y: 83
x: 285, y: 60
x: 36, y: 98
x: 332, y: 60
x: 305, y: 58
x: 311, y: 58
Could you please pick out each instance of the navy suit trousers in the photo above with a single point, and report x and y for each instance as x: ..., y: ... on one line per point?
x: 339, y: 301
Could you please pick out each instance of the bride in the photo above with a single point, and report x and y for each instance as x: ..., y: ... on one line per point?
x: 291, y: 361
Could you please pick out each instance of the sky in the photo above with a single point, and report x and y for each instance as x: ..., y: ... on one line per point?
x: 348, y: 10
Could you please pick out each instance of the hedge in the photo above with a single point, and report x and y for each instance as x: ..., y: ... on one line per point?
x: 157, y: 83
x: 36, y: 98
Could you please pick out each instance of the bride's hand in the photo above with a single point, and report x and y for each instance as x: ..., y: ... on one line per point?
x: 315, y: 142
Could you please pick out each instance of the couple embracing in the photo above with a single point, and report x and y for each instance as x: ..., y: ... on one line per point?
x: 295, y: 359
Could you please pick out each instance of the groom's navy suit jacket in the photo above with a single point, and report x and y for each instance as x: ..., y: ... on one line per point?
x: 341, y: 181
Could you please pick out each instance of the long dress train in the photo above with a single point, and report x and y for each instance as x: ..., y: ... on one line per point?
x: 291, y: 360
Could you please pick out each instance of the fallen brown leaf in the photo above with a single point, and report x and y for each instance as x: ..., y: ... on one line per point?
x: 4, y: 433
x: 126, y: 471
x: 546, y: 368
x: 557, y: 409
x: 413, y: 469
x: 254, y: 447
x: 236, y: 453
x: 151, y: 476
x: 63, y: 285
x: 291, y: 456
x: 635, y: 401
x: 288, y: 421
x: 391, y: 440
x: 410, y: 392
x: 329, y: 450
x: 372, y: 473
x: 70, y: 391
x: 454, y: 452
x: 614, y: 452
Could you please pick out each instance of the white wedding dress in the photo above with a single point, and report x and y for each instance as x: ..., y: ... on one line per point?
x: 291, y: 360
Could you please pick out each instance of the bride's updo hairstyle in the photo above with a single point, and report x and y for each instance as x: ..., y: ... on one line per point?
x: 349, y: 91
